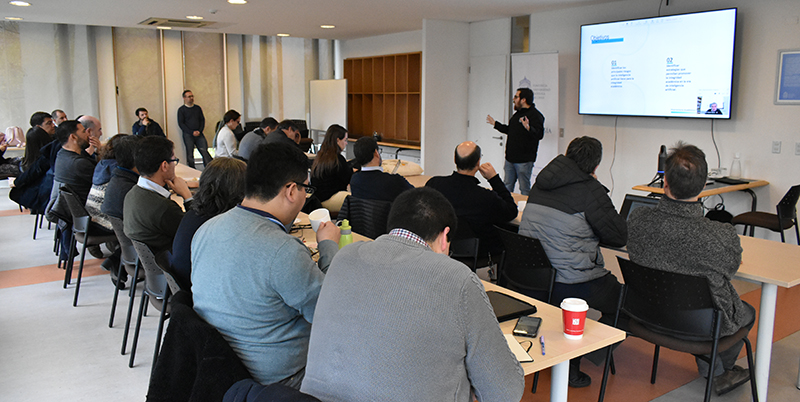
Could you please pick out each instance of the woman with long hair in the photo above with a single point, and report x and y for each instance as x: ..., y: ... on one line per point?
x: 330, y: 173
x: 221, y: 188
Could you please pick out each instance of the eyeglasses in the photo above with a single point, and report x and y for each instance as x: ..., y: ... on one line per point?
x: 176, y: 160
x: 309, y: 188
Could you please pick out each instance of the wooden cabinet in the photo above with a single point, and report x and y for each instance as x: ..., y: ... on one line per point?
x: 383, y: 95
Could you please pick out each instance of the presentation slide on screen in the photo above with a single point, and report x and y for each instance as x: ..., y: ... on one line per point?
x: 669, y: 66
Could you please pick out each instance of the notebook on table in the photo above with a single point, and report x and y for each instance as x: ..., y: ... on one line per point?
x: 507, y: 307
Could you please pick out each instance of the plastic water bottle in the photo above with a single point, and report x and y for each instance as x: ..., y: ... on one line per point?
x: 736, y: 167
x: 347, y: 234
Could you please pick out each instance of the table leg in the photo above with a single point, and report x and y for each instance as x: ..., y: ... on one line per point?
x: 766, y: 326
x: 559, y: 382
x: 754, y: 203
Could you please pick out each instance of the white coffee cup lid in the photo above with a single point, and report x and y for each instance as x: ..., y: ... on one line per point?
x: 574, y: 304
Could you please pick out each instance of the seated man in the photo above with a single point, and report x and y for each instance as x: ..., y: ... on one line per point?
x: 675, y: 237
x: 570, y: 212
x: 480, y: 208
x: 252, y: 280
x: 149, y: 215
x: 74, y: 167
x: 286, y: 132
x: 253, y: 139
x: 123, y: 178
x: 434, y: 338
x: 371, y: 182
x: 145, y: 126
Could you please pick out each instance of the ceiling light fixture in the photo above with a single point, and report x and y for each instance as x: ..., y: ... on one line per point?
x: 194, y: 17
x: 163, y: 27
x: 237, y: 1
x: 283, y: 34
x: 327, y: 26
x: 14, y: 18
x: 19, y: 3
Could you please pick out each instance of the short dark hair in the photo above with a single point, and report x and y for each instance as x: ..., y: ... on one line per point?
x: 527, y: 94
x: 125, y: 151
x: 38, y: 118
x: 470, y: 161
x: 55, y: 113
x: 221, y: 186
x: 423, y: 211
x: 586, y: 152
x: 364, y: 150
x: 151, y: 152
x: 141, y: 109
x: 230, y: 115
x: 183, y: 95
x: 271, y: 167
x: 268, y: 122
x: 287, y: 124
x: 109, y: 150
x: 65, y: 129
x: 686, y: 170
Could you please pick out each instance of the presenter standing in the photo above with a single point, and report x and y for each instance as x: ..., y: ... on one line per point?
x: 524, y: 130
x: 192, y: 122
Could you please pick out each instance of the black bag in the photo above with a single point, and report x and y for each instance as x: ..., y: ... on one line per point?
x: 719, y: 214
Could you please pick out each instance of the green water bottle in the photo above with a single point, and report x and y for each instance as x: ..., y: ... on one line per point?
x: 347, y: 234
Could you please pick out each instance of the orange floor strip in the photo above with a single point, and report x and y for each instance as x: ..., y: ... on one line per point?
x: 47, y: 273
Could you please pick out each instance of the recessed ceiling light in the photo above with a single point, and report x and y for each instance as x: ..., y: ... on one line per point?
x: 327, y: 26
x: 194, y: 17
x: 14, y: 18
x: 237, y: 1
x: 283, y: 34
x: 19, y: 3
x: 163, y: 27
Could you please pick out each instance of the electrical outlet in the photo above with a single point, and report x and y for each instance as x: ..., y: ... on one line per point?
x: 561, y: 135
x: 797, y: 148
x: 776, y: 147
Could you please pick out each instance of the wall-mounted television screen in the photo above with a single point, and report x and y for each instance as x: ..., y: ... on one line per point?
x: 672, y: 66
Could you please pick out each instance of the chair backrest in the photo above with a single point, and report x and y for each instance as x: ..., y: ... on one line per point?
x: 667, y: 302
x: 162, y: 260
x: 80, y: 216
x: 787, y: 207
x: 129, y: 256
x: 525, y: 266
x: 155, y: 282
x: 464, y: 245
x: 367, y: 217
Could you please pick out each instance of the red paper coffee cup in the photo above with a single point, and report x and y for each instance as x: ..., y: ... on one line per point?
x: 574, y: 313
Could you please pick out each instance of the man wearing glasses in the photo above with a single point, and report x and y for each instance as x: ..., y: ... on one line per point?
x: 255, y: 282
x: 149, y: 215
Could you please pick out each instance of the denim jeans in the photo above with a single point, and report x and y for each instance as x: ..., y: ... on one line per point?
x: 513, y: 171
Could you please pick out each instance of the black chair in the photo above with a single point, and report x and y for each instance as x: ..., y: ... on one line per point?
x: 367, y: 217
x: 84, y: 232
x: 666, y: 309
x: 465, y: 247
x: 156, y: 290
x: 129, y: 261
x: 525, y: 268
x: 785, y: 217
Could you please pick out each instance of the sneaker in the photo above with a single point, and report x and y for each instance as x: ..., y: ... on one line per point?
x: 731, y: 379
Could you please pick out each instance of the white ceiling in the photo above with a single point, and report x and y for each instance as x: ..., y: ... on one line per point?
x: 299, y: 18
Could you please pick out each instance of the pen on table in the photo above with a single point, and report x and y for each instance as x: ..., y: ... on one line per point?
x: 541, y: 340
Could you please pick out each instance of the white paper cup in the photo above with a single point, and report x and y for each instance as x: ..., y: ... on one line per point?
x: 574, y: 314
x: 521, y: 205
x: 318, y: 216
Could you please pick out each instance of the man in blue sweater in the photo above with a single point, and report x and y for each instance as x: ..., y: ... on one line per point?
x: 192, y: 122
x: 255, y: 282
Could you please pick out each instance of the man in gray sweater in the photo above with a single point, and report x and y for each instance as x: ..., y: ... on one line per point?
x: 675, y: 237
x: 255, y: 282
x: 399, y: 320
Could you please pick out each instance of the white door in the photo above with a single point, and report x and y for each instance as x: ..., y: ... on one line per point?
x: 488, y: 95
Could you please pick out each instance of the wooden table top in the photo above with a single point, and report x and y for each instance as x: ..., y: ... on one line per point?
x: 711, y: 189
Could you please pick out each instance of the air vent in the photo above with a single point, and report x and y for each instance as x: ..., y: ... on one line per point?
x: 175, y: 23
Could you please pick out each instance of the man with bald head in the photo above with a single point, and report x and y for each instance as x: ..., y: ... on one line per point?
x: 94, y: 130
x: 479, y: 208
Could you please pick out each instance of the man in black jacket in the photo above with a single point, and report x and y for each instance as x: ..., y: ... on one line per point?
x: 478, y: 207
x: 371, y: 182
x: 145, y: 125
x: 525, y: 129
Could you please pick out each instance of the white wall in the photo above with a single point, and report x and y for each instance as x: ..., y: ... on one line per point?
x: 445, y: 79
x: 764, y: 27
x: 402, y: 42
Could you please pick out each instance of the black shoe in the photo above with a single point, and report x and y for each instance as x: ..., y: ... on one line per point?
x: 95, y: 251
x: 121, y: 283
x: 107, y: 264
x: 579, y: 380
x: 731, y: 379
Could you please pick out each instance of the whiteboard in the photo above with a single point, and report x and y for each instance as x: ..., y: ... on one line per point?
x: 328, y: 104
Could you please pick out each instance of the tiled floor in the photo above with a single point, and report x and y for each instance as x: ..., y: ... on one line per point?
x: 50, y: 350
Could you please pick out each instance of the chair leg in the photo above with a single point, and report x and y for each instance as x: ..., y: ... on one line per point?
x: 116, y: 296
x: 161, y: 320
x: 35, y: 225
x: 710, y: 380
x: 606, y: 367
x: 80, y: 274
x: 131, y: 297
x: 613, y: 368
x: 655, y: 365
x: 68, y: 262
x: 751, y: 366
x: 138, y: 325
x: 535, y: 382
x: 783, y: 239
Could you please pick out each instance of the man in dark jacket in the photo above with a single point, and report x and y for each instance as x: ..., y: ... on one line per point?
x: 525, y: 129
x: 123, y: 178
x: 146, y: 126
x: 371, y: 182
x: 570, y: 212
x: 480, y: 208
x: 253, y: 139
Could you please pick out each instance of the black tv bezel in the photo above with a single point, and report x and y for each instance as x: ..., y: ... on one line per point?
x: 700, y: 117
